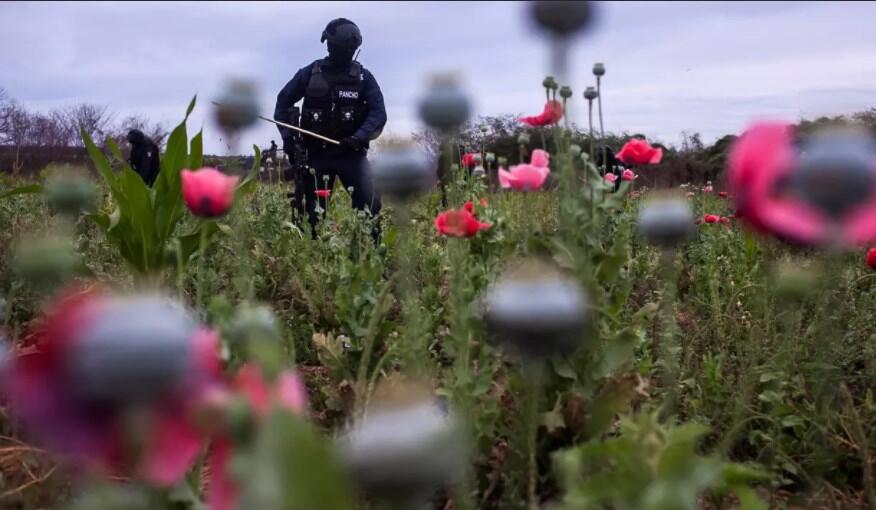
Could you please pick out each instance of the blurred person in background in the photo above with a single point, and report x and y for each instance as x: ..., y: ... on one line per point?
x: 144, y: 157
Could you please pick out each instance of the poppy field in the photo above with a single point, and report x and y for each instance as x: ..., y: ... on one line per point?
x: 533, y: 329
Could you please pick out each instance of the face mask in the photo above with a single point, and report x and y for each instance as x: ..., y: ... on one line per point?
x: 339, y: 55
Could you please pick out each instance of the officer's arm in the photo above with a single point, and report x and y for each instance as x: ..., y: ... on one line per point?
x: 291, y: 94
x: 375, y: 118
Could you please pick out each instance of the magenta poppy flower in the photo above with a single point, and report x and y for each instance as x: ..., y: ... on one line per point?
x: 98, y: 360
x: 527, y: 177
x: 793, y: 195
x: 288, y: 392
x: 552, y: 113
x: 639, y: 152
x: 323, y: 193
x: 458, y: 223
x: 208, y: 192
x: 629, y: 175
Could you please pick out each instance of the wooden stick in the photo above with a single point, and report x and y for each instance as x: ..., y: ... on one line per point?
x: 296, y: 128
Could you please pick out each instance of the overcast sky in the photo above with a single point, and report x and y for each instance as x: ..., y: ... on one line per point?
x: 671, y: 67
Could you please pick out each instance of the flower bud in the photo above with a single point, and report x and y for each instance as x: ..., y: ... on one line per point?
x: 46, y: 262
x: 445, y: 106
x: 835, y: 172
x: 590, y: 93
x: 575, y: 150
x: 478, y: 172
x: 598, y: 69
x: 491, y: 157
x: 135, y: 349
x: 238, y: 106
x: 402, y: 173
x: 405, y: 451
x: 537, y: 311
x: 523, y: 138
x: 565, y: 92
x: 666, y: 222
x: 70, y: 194
x: 561, y: 18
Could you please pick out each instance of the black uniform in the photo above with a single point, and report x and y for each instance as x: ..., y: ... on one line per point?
x: 607, y: 162
x: 342, y: 101
x: 144, y: 157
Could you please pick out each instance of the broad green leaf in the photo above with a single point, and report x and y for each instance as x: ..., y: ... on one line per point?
x: 21, y: 190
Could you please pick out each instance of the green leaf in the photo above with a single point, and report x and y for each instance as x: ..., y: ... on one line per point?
x: 21, y: 190
x: 196, y: 155
x: 247, y: 185
x: 190, y: 243
x: 191, y: 107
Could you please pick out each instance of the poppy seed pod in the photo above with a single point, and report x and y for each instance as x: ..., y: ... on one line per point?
x: 565, y: 92
x: 445, y: 106
x: 575, y: 150
x: 254, y: 323
x: 237, y: 106
x: 523, y: 138
x: 598, y: 69
x: 835, y: 171
x: 666, y: 222
x: 537, y: 311
x: 478, y: 171
x: 561, y: 18
x: 402, y: 173
x: 133, y: 350
x: 590, y: 93
x: 70, y: 194
x: 502, y: 160
x: 46, y: 261
x: 491, y: 157
x: 405, y: 451
x: 484, y: 128
x: 549, y: 82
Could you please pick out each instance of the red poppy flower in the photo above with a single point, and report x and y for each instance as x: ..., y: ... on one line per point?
x: 722, y: 194
x: 208, y: 192
x: 871, y: 258
x: 323, y: 193
x: 552, y: 113
x: 639, y: 152
x: 470, y: 159
x: 469, y: 206
x: 711, y: 218
x: 458, y: 223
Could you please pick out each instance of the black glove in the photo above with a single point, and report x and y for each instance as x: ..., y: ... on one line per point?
x: 352, y: 144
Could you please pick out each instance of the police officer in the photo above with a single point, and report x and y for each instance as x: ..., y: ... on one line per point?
x: 342, y: 101
x: 144, y: 156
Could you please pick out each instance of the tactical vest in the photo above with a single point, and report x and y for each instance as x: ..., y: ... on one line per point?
x: 334, y: 105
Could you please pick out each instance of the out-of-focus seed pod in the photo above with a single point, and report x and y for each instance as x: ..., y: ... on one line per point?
x: 70, y: 194
x: 445, y: 106
x: 835, y: 172
x: 523, y: 138
x: 565, y: 92
x: 537, y: 311
x: 478, y: 172
x: 491, y: 157
x: 454, y: 168
x: 46, y: 262
x: 666, y: 222
x: 549, y: 82
x: 590, y: 93
x: 255, y: 328
x: 561, y: 18
x: 502, y: 160
x: 484, y: 128
x: 238, y: 106
x: 794, y: 283
x: 405, y: 451
x: 402, y: 173
x: 575, y: 150
x: 133, y: 349
x: 599, y: 69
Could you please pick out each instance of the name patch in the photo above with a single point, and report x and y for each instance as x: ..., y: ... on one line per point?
x: 348, y: 94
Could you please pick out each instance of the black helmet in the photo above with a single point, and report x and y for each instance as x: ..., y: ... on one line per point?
x: 136, y: 136
x: 343, y: 33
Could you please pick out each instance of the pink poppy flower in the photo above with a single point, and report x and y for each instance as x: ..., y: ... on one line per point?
x: 527, y: 177
x: 610, y: 177
x: 722, y: 194
x: 639, y: 152
x: 708, y: 189
x: 629, y: 175
x: 711, y: 218
x: 93, y: 364
x: 208, y: 192
x: 725, y: 220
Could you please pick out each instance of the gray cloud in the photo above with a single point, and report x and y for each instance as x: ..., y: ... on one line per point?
x: 672, y: 67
